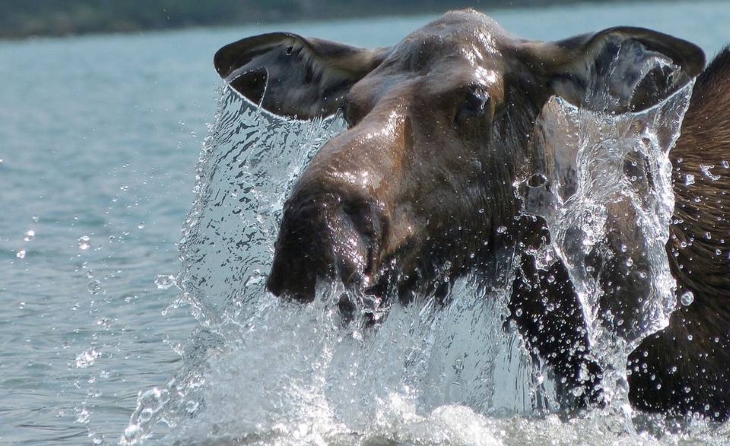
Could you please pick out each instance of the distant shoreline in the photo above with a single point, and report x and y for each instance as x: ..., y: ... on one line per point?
x: 63, y: 18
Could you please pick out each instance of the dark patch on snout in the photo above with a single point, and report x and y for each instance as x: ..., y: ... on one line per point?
x: 326, y: 236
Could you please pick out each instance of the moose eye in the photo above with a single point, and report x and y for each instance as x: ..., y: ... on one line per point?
x: 474, y: 105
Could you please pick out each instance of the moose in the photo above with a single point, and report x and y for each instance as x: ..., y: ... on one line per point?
x: 419, y: 188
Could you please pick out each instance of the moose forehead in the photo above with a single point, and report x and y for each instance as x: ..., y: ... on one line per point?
x: 457, y: 36
x: 461, y: 49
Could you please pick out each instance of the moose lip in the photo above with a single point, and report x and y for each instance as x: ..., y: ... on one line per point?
x: 369, y: 299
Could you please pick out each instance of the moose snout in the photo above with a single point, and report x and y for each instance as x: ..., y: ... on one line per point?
x: 326, y: 234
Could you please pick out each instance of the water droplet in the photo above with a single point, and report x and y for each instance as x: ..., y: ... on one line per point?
x: 84, y: 416
x: 458, y: 365
x: 725, y: 164
x: 502, y: 230
x: 164, y: 282
x: 84, y: 242
x: 129, y: 298
x: 539, y: 378
x: 689, y: 337
x: 191, y: 406
x: 707, y: 172
x: 256, y: 278
x: 551, y: 279
x: 140, y: 225
x: 30, y: 235
x: 131, y: 432
x: 577, y: 391
x: 20, y: 254
x: 518, y: 311
x: 689, y: 179
x: 87, y: 358
x: 104, y: 322
x: 94, y: 287
x: 687, y: 298
x: 151, y: 402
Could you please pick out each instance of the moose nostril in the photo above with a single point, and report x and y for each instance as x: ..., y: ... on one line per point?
x: 365, y: 220
x: 326, y: 235
x: 362, y: 217
x: 358, y: 239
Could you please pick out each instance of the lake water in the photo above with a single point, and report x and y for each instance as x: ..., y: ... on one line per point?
x: 101, y: 139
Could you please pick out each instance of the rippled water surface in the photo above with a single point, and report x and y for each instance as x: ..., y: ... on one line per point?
x: 107, y: 335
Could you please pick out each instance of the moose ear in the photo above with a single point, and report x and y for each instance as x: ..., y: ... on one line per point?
x: 619, y: 69
x: 292, y: 76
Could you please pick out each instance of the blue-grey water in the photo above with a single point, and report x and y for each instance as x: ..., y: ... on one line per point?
x: 101, y: 137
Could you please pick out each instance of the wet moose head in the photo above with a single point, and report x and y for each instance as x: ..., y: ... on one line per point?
x: 420, y: 185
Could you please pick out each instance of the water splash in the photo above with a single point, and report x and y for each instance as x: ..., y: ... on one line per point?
x: 87, y: 358
x: 293, y: 374
x: 302, y: 374
x: 248, y: 164
x: 602, y: 182
x: 262, y: 371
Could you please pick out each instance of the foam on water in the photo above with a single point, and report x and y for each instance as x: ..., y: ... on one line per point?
x: 263, y: 371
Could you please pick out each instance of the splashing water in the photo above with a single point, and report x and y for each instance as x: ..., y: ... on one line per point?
x: 260, y: 370
x: 603, y: 184
x: 263, y: 371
